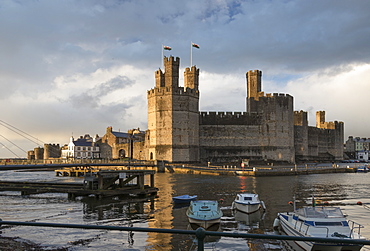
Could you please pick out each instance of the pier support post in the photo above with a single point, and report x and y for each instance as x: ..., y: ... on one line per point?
x: 160, y: 166
x: 152, y: 180
x: 71, y: 196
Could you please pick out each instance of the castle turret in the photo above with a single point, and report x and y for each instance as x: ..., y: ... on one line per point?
x: 320, y: 119
x: 173, y: 115
x: 254, y: 84
x: 191, y: 78
x: 171, y: 72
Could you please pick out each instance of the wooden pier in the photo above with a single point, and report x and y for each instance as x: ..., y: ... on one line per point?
x: 76, y: 171
x: 102, y: 184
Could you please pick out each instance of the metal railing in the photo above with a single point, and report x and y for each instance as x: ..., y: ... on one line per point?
x: 200, y: 233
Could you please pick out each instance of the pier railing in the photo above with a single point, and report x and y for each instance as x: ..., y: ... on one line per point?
x: 200, y: 233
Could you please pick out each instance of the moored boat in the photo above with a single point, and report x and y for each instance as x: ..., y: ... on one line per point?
x: 248, y: 203
x: 363, y: 169
x: 184, y: 198
x: 319, y: 221
x: 204, y: 213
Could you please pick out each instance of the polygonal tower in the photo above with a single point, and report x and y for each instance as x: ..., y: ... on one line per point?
x: 254, y: 80
x: 173, y: 115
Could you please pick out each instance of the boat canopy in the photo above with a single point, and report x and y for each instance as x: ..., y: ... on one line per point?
x: 247, y: 197
x: 320, y: 212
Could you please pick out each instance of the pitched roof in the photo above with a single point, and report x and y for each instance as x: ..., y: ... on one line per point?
x: 82, y: 142
x: 121, y: 134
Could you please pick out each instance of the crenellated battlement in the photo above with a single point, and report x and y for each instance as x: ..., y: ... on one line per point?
x: 193, y: 69
x: 274, y: 95
x: 300, y: 118
x: 171, y: 60
x: 168, y: 90
x: 229, y: 118
x: 332, y: 125
x: 255, y: 72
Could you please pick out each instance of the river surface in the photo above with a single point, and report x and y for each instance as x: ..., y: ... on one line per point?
x: 344, y: 190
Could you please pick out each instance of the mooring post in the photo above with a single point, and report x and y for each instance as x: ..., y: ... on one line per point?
x: 152, y: 180
x: 200, y: 233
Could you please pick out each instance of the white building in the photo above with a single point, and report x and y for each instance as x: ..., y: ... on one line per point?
x: 82, y: 148
x: 358, y: 148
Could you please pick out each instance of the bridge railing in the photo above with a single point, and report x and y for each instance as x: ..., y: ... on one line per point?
x: 200, y: 233
x: 71, y: 161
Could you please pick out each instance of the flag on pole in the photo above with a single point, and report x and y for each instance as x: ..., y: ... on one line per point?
x: 195, y: 45
x: 168, y: 48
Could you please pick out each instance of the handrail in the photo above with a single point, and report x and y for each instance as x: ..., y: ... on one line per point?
x: 355, y: 225
x: 200, y: 233
x: 327, y: 229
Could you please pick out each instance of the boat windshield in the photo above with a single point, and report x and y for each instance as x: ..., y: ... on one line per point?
x: 320, y: 212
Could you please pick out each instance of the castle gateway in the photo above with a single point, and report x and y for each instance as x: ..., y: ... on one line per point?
x: 269, y: 130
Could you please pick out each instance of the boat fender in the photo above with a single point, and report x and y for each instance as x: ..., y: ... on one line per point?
x: 276, y: 224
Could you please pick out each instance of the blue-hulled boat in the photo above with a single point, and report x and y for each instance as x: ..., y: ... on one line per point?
x: 184, y: 198
x: 204, y: 213
x: 363, y: 169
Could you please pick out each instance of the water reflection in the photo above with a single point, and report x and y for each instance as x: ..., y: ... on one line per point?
x: 248, y: 221
x: 344, y: 190
x: 117, y: 208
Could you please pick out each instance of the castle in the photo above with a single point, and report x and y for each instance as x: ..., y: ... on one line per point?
x: 269, y: 130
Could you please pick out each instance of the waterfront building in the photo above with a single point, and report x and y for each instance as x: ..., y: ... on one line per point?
x: 116, y: 144
x: 84, y: 147
x: 358, y: 148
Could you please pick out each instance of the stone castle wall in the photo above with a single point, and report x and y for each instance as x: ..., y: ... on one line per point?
x: 258, y: 136
x: 323, y: 142
x: 269, y: 130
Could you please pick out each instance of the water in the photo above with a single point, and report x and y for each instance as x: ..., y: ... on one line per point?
x: 344, y: 190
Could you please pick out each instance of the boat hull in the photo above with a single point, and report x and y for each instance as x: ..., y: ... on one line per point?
x: 206, y: 224
x: 247, y: 208
x: 312, y: 246
x: 184, y: 199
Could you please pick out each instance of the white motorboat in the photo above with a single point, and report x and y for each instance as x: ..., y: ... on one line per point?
x: 319, y: 221
x: 204, y: 213
x: 248, y: 203
x: 248, y: 221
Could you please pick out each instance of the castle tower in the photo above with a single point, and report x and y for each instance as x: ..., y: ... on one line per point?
x: 173, y: 115
x: 320, y: 119
x: 191, y: 78
x: 301, y: 135
x: 254, y: 84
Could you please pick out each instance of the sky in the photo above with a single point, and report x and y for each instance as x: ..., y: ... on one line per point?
x: 75, y: 67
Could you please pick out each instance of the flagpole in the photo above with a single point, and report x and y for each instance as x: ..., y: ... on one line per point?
x: 191, y: 54
x: 162, y: 56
